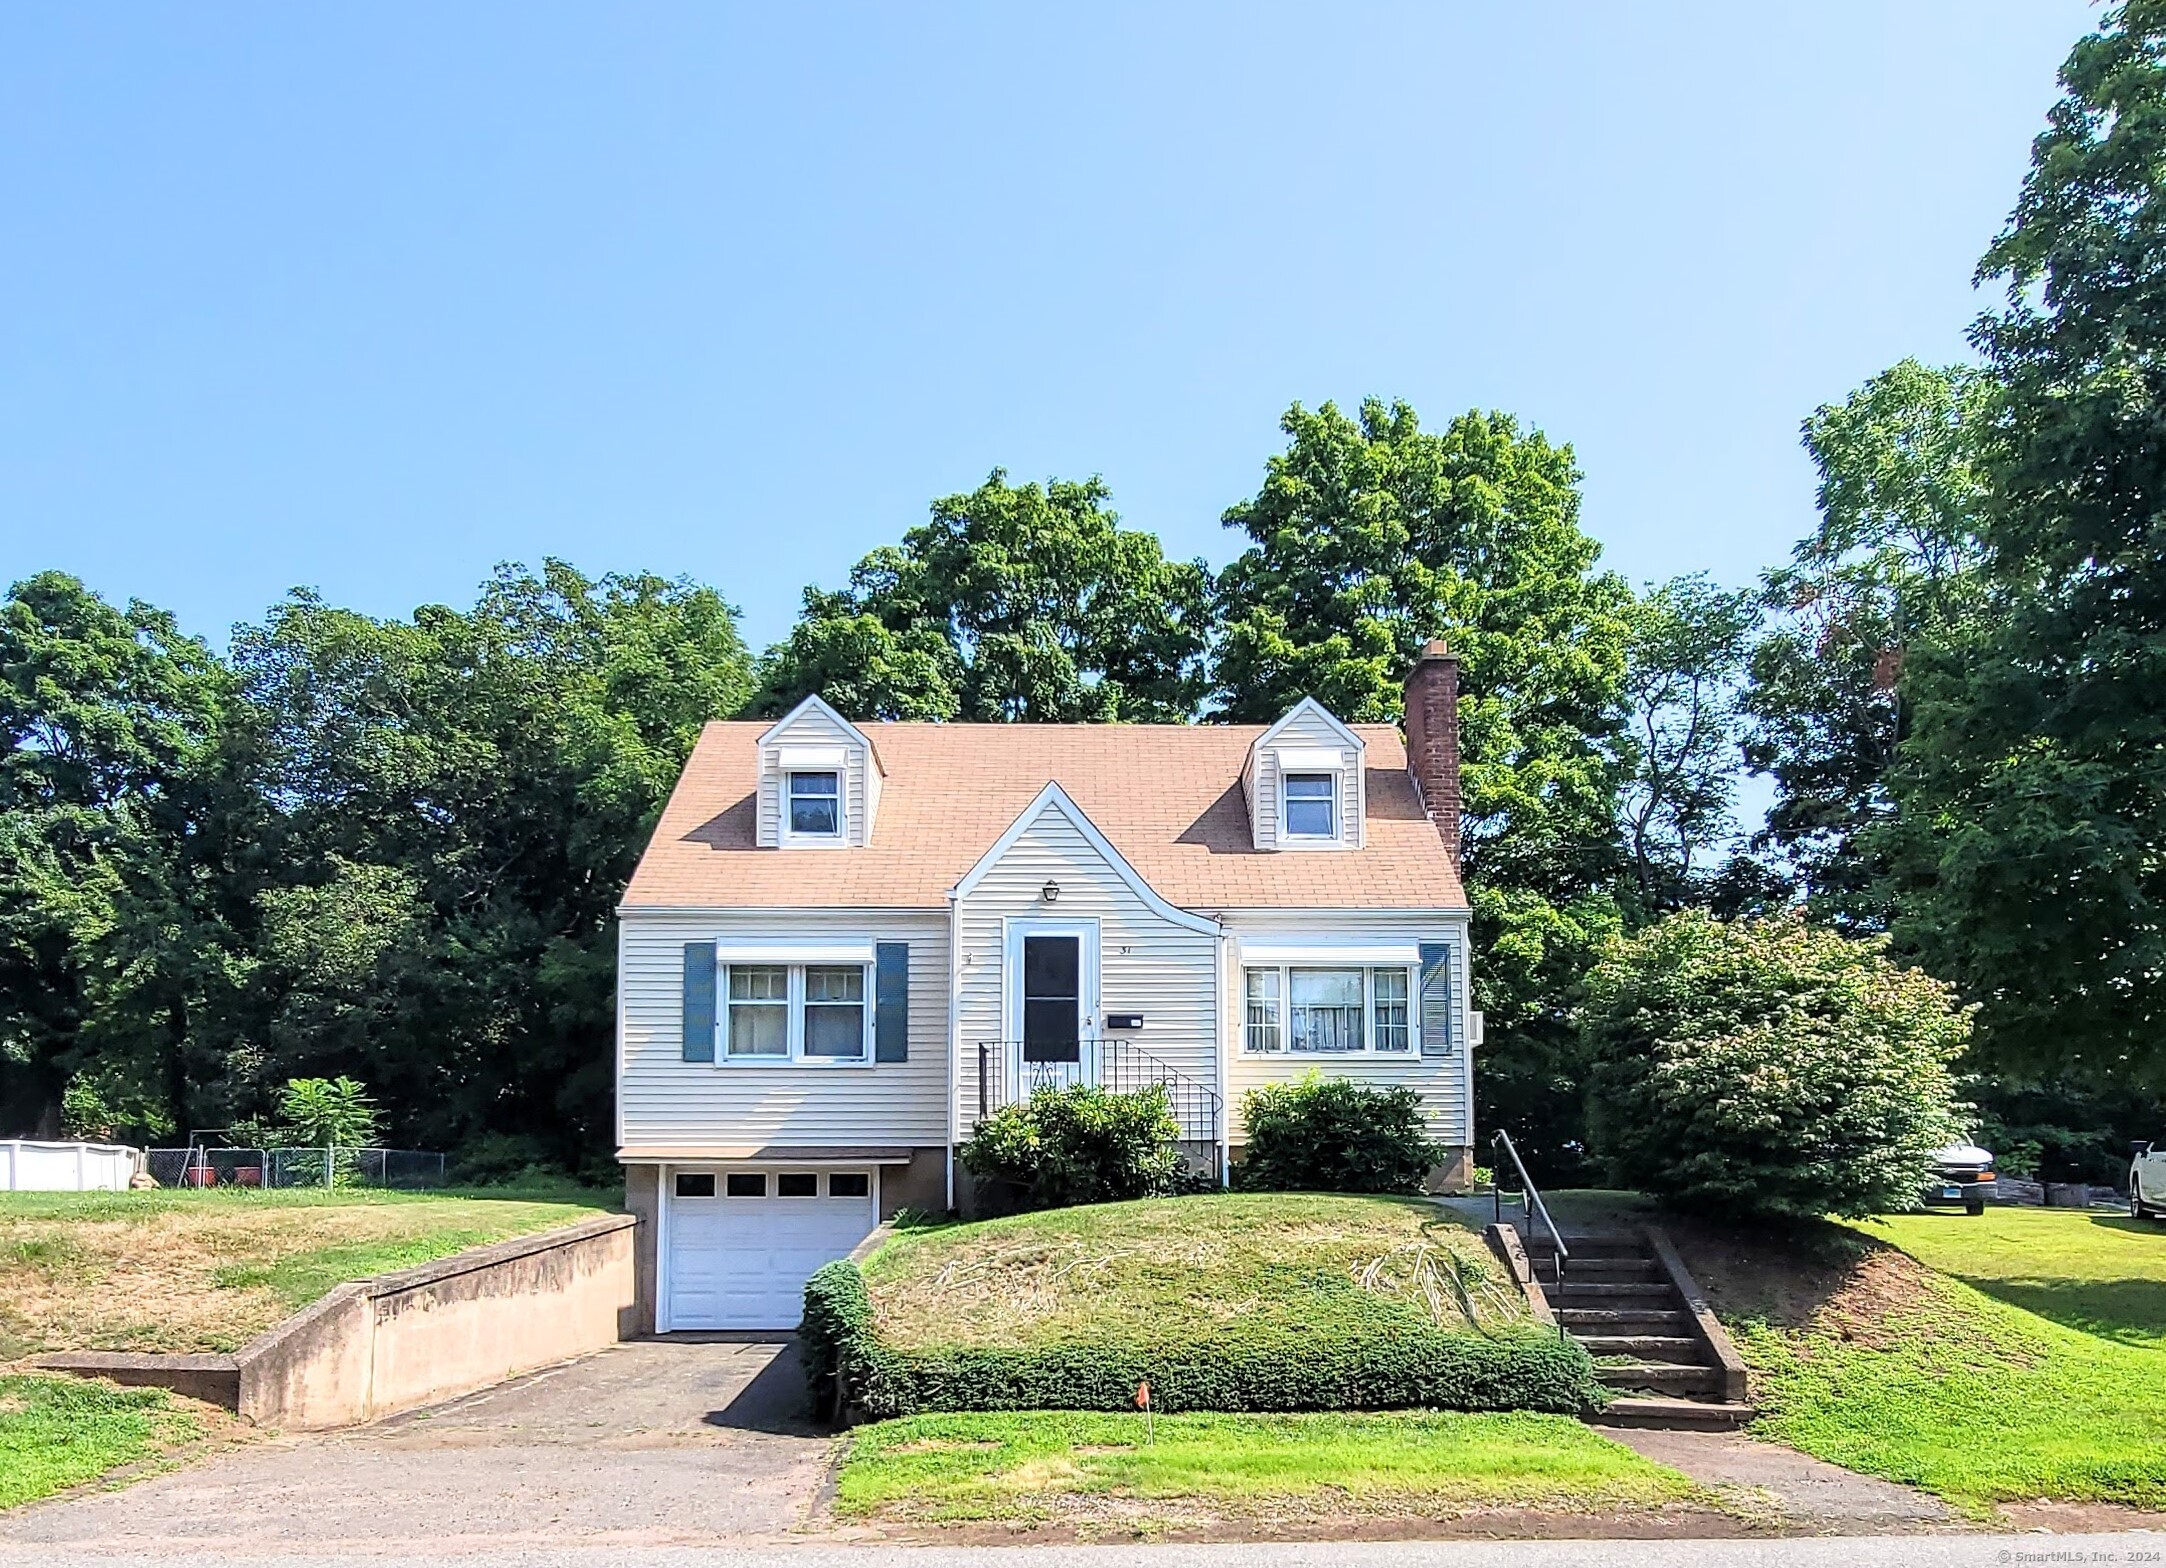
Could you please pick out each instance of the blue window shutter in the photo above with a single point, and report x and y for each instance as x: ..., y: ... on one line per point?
x: 699, y: 1001
x: 1436, y: 999
x: 891, y: 1002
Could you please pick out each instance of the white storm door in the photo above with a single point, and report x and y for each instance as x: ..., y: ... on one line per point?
x: 1052, y: 999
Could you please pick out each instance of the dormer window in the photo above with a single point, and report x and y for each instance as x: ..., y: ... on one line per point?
x: 815, y: 804
x: 1305, y: 783
x: 1312, y: 805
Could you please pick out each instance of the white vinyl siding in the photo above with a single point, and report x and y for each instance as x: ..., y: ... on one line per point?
x: 664, y: 1102
x: 1147, y: 964
x: 1445, y: 1083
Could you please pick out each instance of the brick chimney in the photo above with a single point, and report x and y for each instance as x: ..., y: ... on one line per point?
x: 1432, y: 737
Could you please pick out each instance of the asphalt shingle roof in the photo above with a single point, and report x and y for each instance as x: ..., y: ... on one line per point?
x: 1167, y: 796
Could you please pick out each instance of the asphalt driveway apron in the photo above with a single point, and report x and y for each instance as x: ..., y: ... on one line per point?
x: 698, y: 1440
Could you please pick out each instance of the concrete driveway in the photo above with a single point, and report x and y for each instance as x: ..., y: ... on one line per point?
x: 654, y: 1443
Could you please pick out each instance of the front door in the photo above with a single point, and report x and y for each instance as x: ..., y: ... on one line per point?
x: 1051, y: 986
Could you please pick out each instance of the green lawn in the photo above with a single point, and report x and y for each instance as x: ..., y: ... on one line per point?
x: 56, y: 1432
x: 179, y: 1270
x: 1052, y: 1466
x: 1971, y: 1398
x: 2103, y: 1274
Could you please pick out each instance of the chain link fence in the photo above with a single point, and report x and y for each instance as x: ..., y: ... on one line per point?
x: 406, y: 1170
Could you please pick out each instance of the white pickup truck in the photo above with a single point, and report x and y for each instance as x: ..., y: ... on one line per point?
x: 2147, y: 1180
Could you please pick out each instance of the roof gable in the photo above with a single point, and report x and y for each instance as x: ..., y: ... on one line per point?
x: 1054, y: 798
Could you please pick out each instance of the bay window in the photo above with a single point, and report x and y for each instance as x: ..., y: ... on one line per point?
x: 1306, y: 1010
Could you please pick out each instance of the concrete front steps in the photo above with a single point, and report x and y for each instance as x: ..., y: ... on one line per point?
x: 1628, y: 1300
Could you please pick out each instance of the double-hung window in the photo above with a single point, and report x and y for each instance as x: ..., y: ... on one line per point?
x: 797, y: 1012
x: 815, y: 804
x: 1312, y: 805
x: 1304, y: 1010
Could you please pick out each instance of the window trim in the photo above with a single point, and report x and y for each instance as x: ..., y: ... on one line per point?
x: 794, y: 1004
x: 787, y: 836
x: 1344, y: 832
x: 1322, y: 959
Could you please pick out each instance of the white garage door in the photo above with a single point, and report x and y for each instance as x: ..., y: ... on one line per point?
x: 743, y: 1243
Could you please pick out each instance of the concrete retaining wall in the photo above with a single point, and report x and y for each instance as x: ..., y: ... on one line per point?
x: 424, y: 1334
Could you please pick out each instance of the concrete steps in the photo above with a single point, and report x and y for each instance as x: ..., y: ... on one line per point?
x: 1659, y: 1377
x: 1628, y: 1320
x: 1676, y: 1348
x: 1618, y: 1299
x: 1676, y: 1415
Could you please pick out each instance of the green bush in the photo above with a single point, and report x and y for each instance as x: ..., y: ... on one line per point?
x: 1769, y: 1068
x: 1227, y: 1365
x: 1321, y: 1134
x: 1075, y: 1145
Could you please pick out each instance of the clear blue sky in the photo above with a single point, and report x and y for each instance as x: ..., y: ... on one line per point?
x: 370, y: 297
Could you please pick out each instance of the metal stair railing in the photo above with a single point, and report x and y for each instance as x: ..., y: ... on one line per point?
x: 1118, y: 1066
x: 1531, y: 1200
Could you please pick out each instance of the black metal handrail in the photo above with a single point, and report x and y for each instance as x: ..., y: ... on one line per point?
x: 1531, y: 1199
x: 1120, y: 1066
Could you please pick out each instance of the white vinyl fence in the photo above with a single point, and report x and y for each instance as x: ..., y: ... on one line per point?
x: 65, y: 1167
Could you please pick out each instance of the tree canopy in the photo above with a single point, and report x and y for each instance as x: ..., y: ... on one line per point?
x: 1890, y: 564
x: 1370, y: 536
x: 1023, y: 602
x: 2030, y: 844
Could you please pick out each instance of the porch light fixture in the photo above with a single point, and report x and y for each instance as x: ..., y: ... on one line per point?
x: 1050, y: 892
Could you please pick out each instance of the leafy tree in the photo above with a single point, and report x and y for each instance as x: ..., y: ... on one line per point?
x: 2031, y: 842
x: 328, y: 1113
x: 1015, y: 602
x: 1890, y: 564
x: 1769, y: 1067
x: 1372, y: 535
x: 117, y: 828
x: 1684, y: 665
x: 460, y: 799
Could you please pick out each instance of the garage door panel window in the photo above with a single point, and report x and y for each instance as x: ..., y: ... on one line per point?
x: 797, y: 1184
x: 747, y: 1184
x: 849, y: 1184
x: 695, y: 1184
x: 798, y: 1012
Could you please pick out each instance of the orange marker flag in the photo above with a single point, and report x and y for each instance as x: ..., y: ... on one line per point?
x: 1143, y: 1395
x: 1143, y: 1403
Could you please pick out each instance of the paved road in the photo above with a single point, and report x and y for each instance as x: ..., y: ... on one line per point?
x: 645, y: 1444
x: 1974, y: 1551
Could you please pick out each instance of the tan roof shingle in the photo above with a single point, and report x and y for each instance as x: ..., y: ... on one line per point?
x: 1167, y: 796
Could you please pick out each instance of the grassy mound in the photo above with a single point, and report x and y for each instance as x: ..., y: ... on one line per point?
x: 191, y: 1271
x: 1250, y: 1301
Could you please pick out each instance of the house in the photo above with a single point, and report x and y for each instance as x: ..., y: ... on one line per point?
x: 848, y: 943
